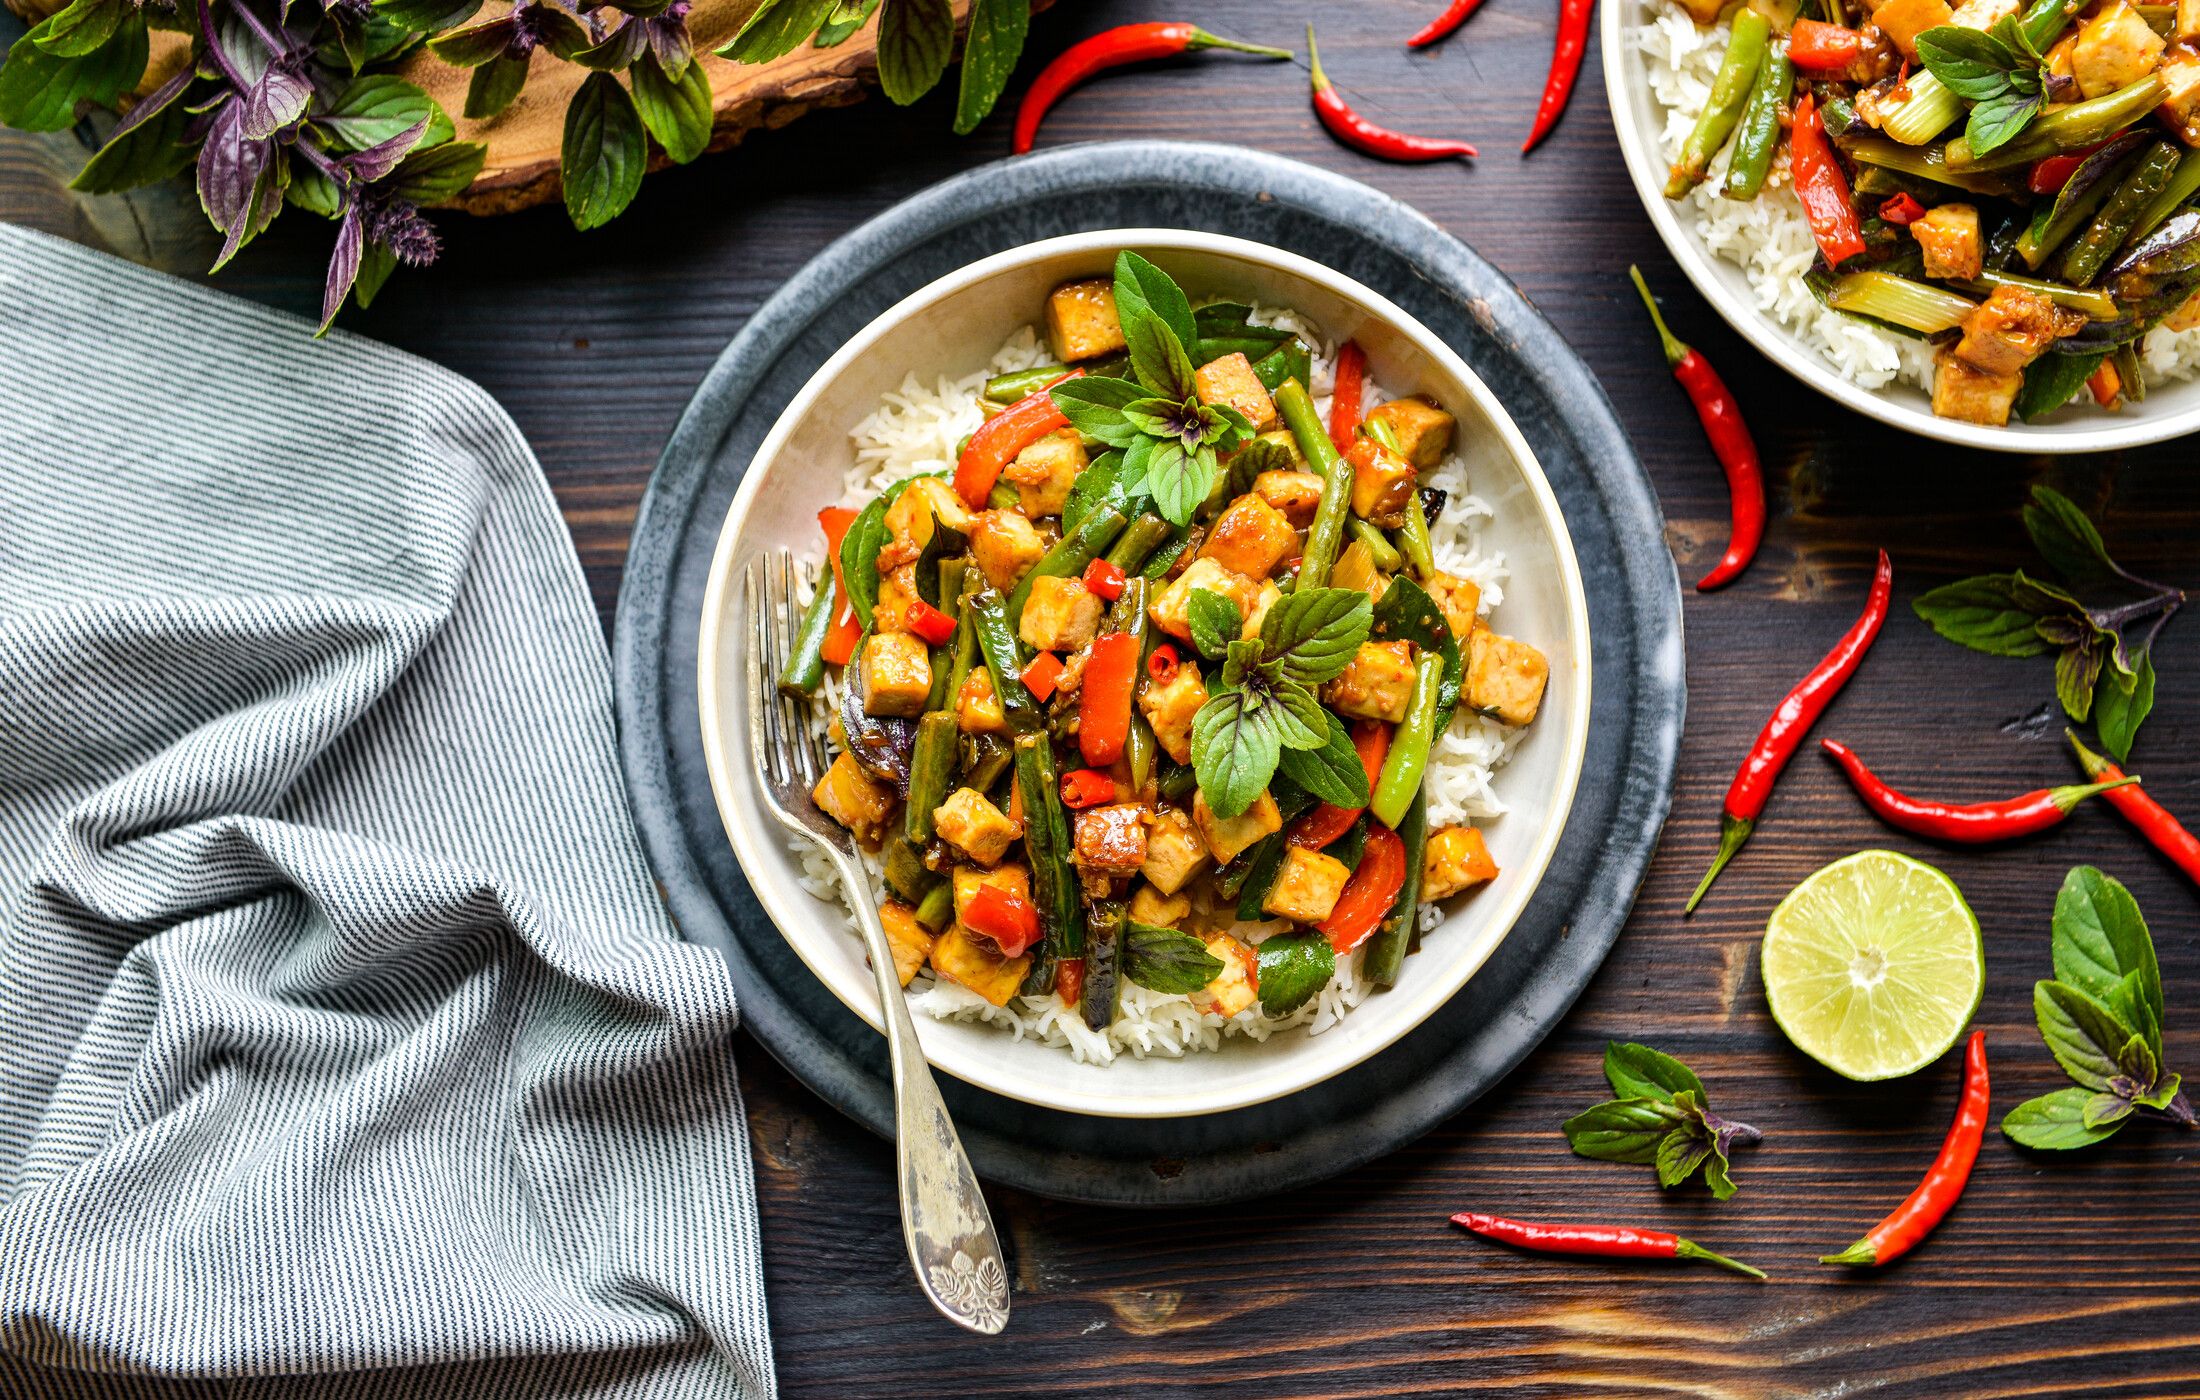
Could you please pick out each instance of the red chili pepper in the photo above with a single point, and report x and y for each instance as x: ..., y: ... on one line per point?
x: 840, y: 640
x: 1000, y: 438
x: 1822, y: 187
x: 1162, y: 664
x: 1104, y: 703
x: 2154, y: 821
x: 2049, y: 175
x: 1087, y: 787
x: 1721, y: 416
x: 1069, y: 980
x: 1558, y: 88
x: 1824, y: 50
x: 1114, y: 48
x: 1349, y: 385
x: 1365, y: 136
x: 1973, y: 824
x: 1105, y: 579
x: 1011, y: 921
x: 1784, y: 732
x: 1943, y: 1185
x: 1327, y: 822
x: 1042, y: 675
x: 1370, y: 892
x: 928, y: 622
x: 1601, y: 1241
x: 1901, y: 211
x: 1454, y: 15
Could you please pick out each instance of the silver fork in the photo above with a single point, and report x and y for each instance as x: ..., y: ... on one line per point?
x: 944, y: 1219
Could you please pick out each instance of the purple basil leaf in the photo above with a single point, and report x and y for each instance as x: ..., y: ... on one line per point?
x: 617, y: 53
x: 670, y: 41
x: 230, y: 167
x: 343, y: 265
x: 377, y: 161
x: 277, y: 100
x: 155, y: 103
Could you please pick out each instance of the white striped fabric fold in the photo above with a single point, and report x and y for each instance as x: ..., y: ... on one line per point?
x: 345, y: 1049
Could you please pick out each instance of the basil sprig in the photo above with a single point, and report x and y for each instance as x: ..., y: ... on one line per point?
x: 1166, y: 959
x: 2098, y: 675
x: 1996, y: 70
x: 1661, y: 1119
x: 1264, y: 701
x: 1170, y: 441
x: 2101, y: 1016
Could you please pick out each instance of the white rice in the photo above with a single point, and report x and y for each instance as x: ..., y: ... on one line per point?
x: 1769, y: 240
x: 915, y: 429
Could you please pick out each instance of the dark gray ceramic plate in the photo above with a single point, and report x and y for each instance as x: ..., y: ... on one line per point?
x: 1618, y: 534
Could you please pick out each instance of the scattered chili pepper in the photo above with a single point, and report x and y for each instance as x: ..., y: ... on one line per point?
x: 1042, y: 675
x: 1104, y: 701
x: 1069, y: 980
x: 1558, y: 88
x: 1824, y: 50
x: 2155, y: 822
x: 1163, y: 663
x: 1943, y: 1185
x: 1087, y: 787
x: 1601, y: 1241
x: 1105, y: 579
x: 1010, y: 920
x: 1365, y: 136
x: 1368, y: 895
x: 1974, y: 824
x: 1114, y: 48
x: 1001, y: 437
x: 1784, y: 732
x: 928, y: 622
x: 1901, y: 211
x: 1348, y: 385
x: 840, y: 641
x: 1721, y: 416
x: 1454, y: 15
x: 1822, y: 187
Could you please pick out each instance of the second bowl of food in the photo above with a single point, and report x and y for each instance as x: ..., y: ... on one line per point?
x: 1203, y: 656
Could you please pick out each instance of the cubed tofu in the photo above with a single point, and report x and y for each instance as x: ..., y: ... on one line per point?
x: 1971, y: 395
x: 2187, y: 27
x: 1376, y: 684
x: 1268, y: 597
x: 1081, y: 320
x: 1111, y: 839
x: 1250, y: 537
x: 1903, y: 20
x: 1237, y: 986
x: 1008, y: 879
x: 925, y: 500
x: 1457, y: 859
x: 1296, y: 494
x: 1283, y: 438
x: 1948, y: 236
x: 1382, y: 483
x: 1230, y: 383
x: 1171, y: 609
x: 897, y: 589
x: 1460, y: 600
x: 1984, y: 14
x: 978, y: 706
x: 1006, y: 544
x: 1174, y: 854
x: 1061, y: 614
x: 1227, y: 836
x: 1043, y: 472
x: 1151, y: 906
x: 2180, y: 109
x: 974, y: 826
x: 1169, y: 707
x: 1505, y: 678
x: 1423, y: 430
x: 2116, y: 48
x: 969, y: 961
x: 855, y: 799
x: 1306, y: 887
x: 897, y: 674
x: 906, y: 939
x: 2012, y: 328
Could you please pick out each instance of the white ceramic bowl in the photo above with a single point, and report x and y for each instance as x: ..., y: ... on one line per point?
x: 953, y: 327
x: 2170, y: 410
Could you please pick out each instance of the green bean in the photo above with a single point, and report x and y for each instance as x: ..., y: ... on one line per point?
x: 2090, y: 252
x: 1047, y: 845
x: 2044, y: 20
x: 1409, y: 746
x: 1760, y: 132
x: 1926, y: 163
x: 1177, y: 781
x: 1128, y: 613
x: 1413, y: 541
x: 2162, y: 19
x: 2052, y: 224
x: 964, y: 660
x: 1326, y: 536
x: 1385, y: 555
x: 2098, y: 306
x: 1070, y: 554
x: 984, y: 762
x: 1138, y: 542
x: 2130, y: 374
x: 1003, y: 496
x: 1022, y: 383
x: 1730, y: 91
x: 1387, y: 952
x: 997, y: 641
x: 1167, y: 555
x: 805, y: 669
x: 2182, y: 186
x: 937, y: 909
x: 931, y: 766
x: 906, y: 873
x: 1138, y: 751
x: 1106, y: 925
x: 945, y: 657
x: 2067, y: 129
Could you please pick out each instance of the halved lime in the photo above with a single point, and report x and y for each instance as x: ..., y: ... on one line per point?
x: 1874, y: 965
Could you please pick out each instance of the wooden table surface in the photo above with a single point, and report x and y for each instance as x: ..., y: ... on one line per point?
x: 2062, y: 1276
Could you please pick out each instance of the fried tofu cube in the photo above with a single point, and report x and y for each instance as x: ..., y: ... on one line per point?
x: 1984, y: 14
x: 1968, y: 394
x: 969, y: 961
x: 1460, y: 600
x: 1505, y: 678
x: 1043, y: 472
x: 1423, y: 430
x: 1948, y: 236
x: 1169, y: 707
x: 1111, y: 839
x: 2115, y: 48
x: 1081, y: 320
x: 1006, y: 544
x: 1903, y: 20
x: 1226, y: 837
x: 978, y: 706
x: 2012, y: 328
x: 1382, y: 483
x: 1237, y: 986
x: 1250, y: 537
x: 906, y: 939
x: 897, y: 589
x: 2180, y: 109
x: 925, y: 500
x: 974, y: 826
x: 1171, y: 609
x: 897, y: 674
x: 1151, y: 906
x: 1268, y: 597
x: 1376, y: 684
x: 2187, y: 26
x: 1174, y: 854
x: 1008, y: 879
x: 1296, y: 494
x: 1306, y: 887
x: 1230, y: 383
x: 1457, y: 859
x: 1061, y: 614
x: 855, y: 799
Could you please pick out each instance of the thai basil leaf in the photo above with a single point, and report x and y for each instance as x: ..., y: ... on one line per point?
x: 2100, y: 938
x: 2051, y: 381
x: 1179, y: 481
x: 375, y: 267
x: 1992, y: 613
x: 1291, y: 968
x: 776, y: 27
x: 2056, y: 1122
x: 1166, y: 960
x: 1997, y: 121
x: 1094, y: 406
x: 476, y: 44
x: 1215, y: 622
x: 2121, y: 705
x: 2084, y: 1035
x: 1291, y: 360
x: 2164, y: 1093
x: 432, y: 176
x: 1969, y: 62
x: 426, y: 16
x: 1149, y: 296
x: 915, y: 40
x: 1311, y: 635
x: 149, y: 144
x: 1235, y: 748
x: 378, y: 107
x: 81, y: 28
x: 343, y: 266
x: 1331, y: 772
x: 677, y: 110
x: 39, y: 91
x: 604, y: 152
x: 1639, y: 1072
x: 2066, y: 539
x: 2077, y: 671
x: 495, y: 85
x: 990, y: 51
x: 1678, y: 1156
x: 233, y: 183
x: 847, y: 17
x: 1624, y: 1130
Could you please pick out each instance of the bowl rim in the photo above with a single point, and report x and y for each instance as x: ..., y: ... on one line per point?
x: 752, y: 833
x: 1646, y: 169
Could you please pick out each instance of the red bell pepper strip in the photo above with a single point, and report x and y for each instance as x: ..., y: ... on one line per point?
x: 1087, y: 787
x: 1011, y: 921
x: 1370, y: 892
x: 1105, y: 579
x: 1356, y: 131
x: 928, y: 622
x: 1113, y: 48
x: 1327, y: 822
x: 1822, y: 187
x: 1000, y: 438
x: 1454, y: 15
x: 1042, y: 675
x: 840, y: 642
x: 1349, y: 385
x: 1824, y: 50
x: 1104, y: 703
x: 1162, y: 664
x: 1566, y: 54
x: 1901, y: 211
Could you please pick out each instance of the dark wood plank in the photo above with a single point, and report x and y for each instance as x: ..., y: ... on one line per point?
x: 2054, y: 1278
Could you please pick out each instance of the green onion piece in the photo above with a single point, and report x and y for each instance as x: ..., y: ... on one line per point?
x: 1926, y: 109
x: 1898, y: 300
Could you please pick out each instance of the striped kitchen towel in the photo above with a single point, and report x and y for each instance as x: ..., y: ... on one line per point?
x: 345, y: 1049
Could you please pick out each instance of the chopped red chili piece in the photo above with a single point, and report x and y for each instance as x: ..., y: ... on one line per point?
x: 928, y: 622
x: 1087, y: 787
x: 1348, y: 384
x: 1901, y: 211
x: 1042, y: 675
x: 1162, y: 664
x: 1011, y: 921
x: 1069, y: 980
x: 1105, y: 579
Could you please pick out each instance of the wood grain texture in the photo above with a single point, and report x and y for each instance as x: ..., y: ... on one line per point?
x: 2054, y: 1278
